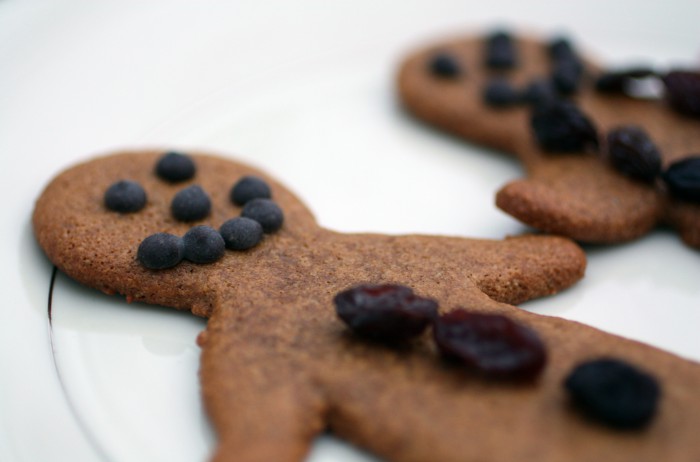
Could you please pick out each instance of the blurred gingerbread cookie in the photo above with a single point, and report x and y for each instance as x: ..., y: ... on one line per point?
x: 604, y: 163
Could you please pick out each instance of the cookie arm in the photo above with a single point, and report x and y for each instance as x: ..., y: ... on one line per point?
x: 579, y: 196
x: 258, y: 397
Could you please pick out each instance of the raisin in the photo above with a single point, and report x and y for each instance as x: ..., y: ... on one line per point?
x: 683, y: 91
x: 265, y: 212
x: 385, y: 312
x: 614, y: 393
x: 444, y: 65
x: 241, y: 233
x: 125, y: 196
x: 617, y: 81
x: 249, y: 188
x: 160, y: 251
x: 561, y: 126
x: 500, y: 93
x: 500, y: 51
x: 190, y: 204
x: 491, y: 344
x: 560, y: 48
x: 175, y: 167
x: 632, y: 153
x: 203, y: 244
x: 683, y: 179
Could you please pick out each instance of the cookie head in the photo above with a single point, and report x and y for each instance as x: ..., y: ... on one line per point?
x: 95, y: 219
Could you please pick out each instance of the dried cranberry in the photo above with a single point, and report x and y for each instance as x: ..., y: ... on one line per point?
x: 500, y: 51
x: 561, y: 126
x: 385, y: 312
x: 491, y: 344
x: 632, y: 153
x: 613, y: 392
x: 617, y: 81
x: 683, y: 179
x: 683, y: 91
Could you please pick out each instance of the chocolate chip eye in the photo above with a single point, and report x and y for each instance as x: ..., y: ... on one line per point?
x: 160, y: 251
x: 444, y: 65
x: 613, y: 392
x: 191, y: 204
x: 500, y: 51
x: 203, y: 244
x: 125, y: 196
x: 265, y: 212
x: 249, y: 188
x: 175, y: 167
x: 241, y: 233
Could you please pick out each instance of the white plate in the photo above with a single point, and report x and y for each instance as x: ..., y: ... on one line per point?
x: 304, y: 92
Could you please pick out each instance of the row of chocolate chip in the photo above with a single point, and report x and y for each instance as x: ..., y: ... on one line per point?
x: 681, y: 87
x: 608, y: 390
x: 201, y: 244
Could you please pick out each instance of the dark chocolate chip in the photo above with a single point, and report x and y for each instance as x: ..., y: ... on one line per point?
x: 444, y: 65
x: 175, y: 167
x: 632, y: 153
x: 539, y: 91
x: 241, y: 233
x: 683, y: 179
x: 125, y: 196
x: 203, y: 244
x: 160, y: 251
x: 500, y: 51
x: 249, y: 188
x: 614, y: 393
x: 500, y: 93
x: 191, y: 204
x: 567, y: 76
x: 265, y: 212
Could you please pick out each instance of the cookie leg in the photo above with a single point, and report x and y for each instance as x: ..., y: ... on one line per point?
x: 580, y: 197
x: 255, y: 390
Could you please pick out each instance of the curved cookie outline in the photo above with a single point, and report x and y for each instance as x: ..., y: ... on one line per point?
x: 278, y: 367
x: 575, y: 195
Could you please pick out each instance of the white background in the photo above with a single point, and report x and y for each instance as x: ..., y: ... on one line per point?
x: 304, y: 90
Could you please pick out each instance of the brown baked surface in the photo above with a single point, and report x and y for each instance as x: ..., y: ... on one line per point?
x: 278, y: 367
x: 575, y: 195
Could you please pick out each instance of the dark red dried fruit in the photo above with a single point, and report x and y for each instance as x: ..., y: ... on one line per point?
x: 491, y: 344
x: 632, y: 153
x: 683, y: 91
x: 385, y: 312
x: 561, y: 126
x: 683, y: 179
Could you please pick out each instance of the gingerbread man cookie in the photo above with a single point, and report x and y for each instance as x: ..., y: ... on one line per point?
x: 490, y: 90
x: 279, y: 366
